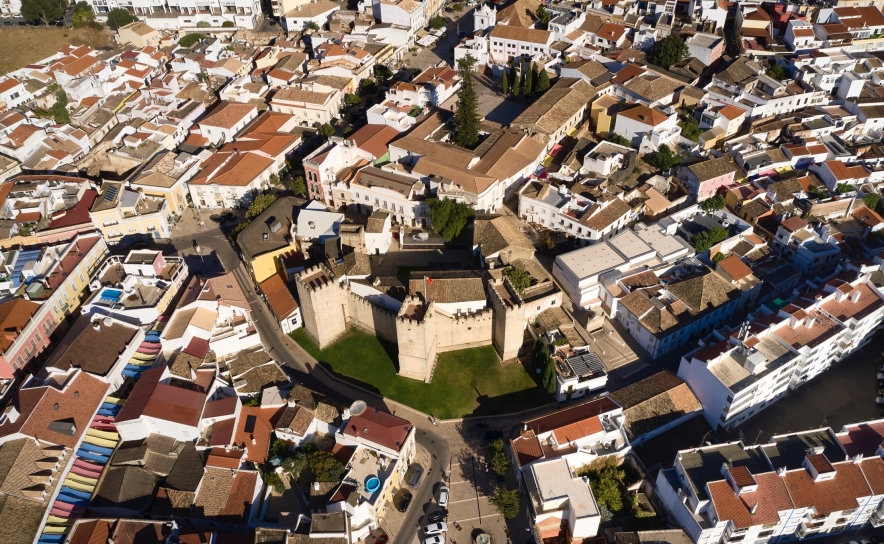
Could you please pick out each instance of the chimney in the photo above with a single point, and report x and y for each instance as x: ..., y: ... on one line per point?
x: 854, y: 296
x: 810, y: 321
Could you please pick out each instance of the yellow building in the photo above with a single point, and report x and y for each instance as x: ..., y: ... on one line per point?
x: 166, y: 175
x: 139, y: 34
x: 603, y: 112
x: 268, y: 237
x: 125, y: 216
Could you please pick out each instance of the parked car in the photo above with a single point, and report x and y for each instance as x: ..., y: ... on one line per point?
x: 436, y: 528
x: 416, y: 474
x: 443, y: 496
x: 402, y: 499
x: 437, y: 515
x: 493, y: 434
x: 435, y: 539
x: 879, y: 400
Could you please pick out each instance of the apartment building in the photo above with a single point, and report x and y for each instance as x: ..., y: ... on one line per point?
x: 126, y: 217
x: 174, y: 14
x: 512, y: 43
x: 806, y: 249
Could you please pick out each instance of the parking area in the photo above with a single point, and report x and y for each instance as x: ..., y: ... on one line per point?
x: 470, y: 509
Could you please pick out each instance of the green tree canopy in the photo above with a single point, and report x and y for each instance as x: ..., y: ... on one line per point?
x: 704, y: 240
x: 273, y: 480
x: 258, y: 205
x: 466, y: 118
x: 506, y: 500
x: 500, y: 463
x: 549, y: 376
x: 505, y: 83
x: 690, y: 127
x: 605, y: 478
x: 664, y: 158
x: 437, y: 22
x: 872, y: 200
x: 457, y: 6
x: 326, y: 130
x: 323, y: 465
x: 543, y: 18
x: 668, y: 51
x: 713, y: 203
x: 514, y: 81
x: 351, y: 99
x: 42, y: 10
x: 204, y: 24
x: 298, y: 186
x: 777, y: 72
x: 520, y: 279
x: 449, y: 217
x: 382, y: 73
x: 82, y: 14
x: 118, y: 17
x: 312, y: 25
x: 618, y: 139
x: 542, y: 82
x: 189, y: 39
x: 718, y: 257
x: 228, y: 24
x: 528, y: 84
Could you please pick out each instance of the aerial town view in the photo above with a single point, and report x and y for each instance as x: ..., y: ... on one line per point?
x: 441, y: 271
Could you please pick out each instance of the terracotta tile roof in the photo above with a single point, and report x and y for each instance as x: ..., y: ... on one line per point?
x: 842, y: 172
x: 379, y: 427
x: 770, y: 498
x: 731, y: 112
x: 279, y: 296
x: 654, y: 401
x: 237, y: 170
x: 846, y: 309
x: 222, y: 458
x: 296, y: 419
x: 794, y: 224
x: 224, y: 497
x: 561, y: 422
x: 646, y: 115
x: 607, y: 215
x: 253, y: 431
x: 39, y: 407
x: 527, y: 448
x: 223, y: 407
x: 827, y: 496
x: 14, y: 315
x: 228, y: 114
x: 95, y: 351
x: 374, y: 139
x: 862, y: 439
x: 819, y: 462
x: 735, y: 268
x: 447, y: 286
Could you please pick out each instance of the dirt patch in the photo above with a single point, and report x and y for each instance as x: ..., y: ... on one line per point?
x: 20, y: 46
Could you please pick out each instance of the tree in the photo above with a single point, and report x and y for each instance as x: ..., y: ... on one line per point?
x: 42, y: 10
x: 312, y: 25
x: 605, y: 479
x: 520, y: 279
x: 59, y: 110
x: 298, y: 186
x: 718, y: 257
x: 618, y: 139
x: 514, y: 81
x: 540, y: 354
x: 528, y: 83
x: 542, y: 82
x: 777, y: 72
x: 254, y: 400
x: 466, y: 118
x: 457, y: 6
x: 500, y: 463
x: 279, y: 448
x: 668, y: 51
x: 549, y: 376
x: 82, y: 14
x: 326, y: 130
x: 351, y: 99
x: 543, y: 18
x: 690, y: 127
x: 274, y: 180
x: 664, y: 158
x: 273, y: 480
x: 323, y: 465
x: 713, y: 203
x: 449, y: 217
x: 505, y: 83
x: 204, y: 24
x: 190, y: 39
x: 295, y: 464
x: 261, y: 203
x: 382, y: 73
x: 521, y: 80
x: 118, y: 17
x: 506, y: 500
x: 704, y: 240
x: 534, y: 78
x: 228, y: 24
x: 872, y: 200
x: 842, y: 188
x: 437, y: 22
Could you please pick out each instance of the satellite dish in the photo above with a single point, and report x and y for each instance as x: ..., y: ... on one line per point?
x: 357, y: 407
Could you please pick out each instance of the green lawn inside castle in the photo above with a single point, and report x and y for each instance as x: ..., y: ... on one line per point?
x: 465, y: 382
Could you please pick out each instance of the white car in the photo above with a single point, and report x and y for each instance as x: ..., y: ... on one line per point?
x: 435, y: 539
x: 879, y: 400
x: 443, y: 496
x: 436, y: 528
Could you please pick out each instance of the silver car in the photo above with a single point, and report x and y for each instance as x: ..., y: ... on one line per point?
x: 436, y: 528
x: 443, y: 496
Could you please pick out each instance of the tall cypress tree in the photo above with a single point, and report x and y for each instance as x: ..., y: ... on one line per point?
x: 528, y: 85
x: 505, y: 83
x: 542, y: 82
x: 533, y: 77
x: 466, y: 119
x: 522, y: 79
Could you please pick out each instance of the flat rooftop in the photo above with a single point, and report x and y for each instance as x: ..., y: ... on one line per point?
x: 555, y: 483
x: 731, y: 372
x: 591, y: 260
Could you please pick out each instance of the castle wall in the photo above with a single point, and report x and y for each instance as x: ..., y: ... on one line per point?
x: 371, y: 318
x: 509, y: 321
x: 417, y: 345
x: 322, y: 308
x: 468, y: 331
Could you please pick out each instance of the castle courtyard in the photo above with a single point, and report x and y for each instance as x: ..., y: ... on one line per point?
x: 465, y: 382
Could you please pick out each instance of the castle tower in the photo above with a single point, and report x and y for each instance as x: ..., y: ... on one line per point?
x: 416, y: 331
x: 507, y: 333
x: 321, y: 305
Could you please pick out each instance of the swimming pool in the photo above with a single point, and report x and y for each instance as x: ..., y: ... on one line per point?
x: 113, y: 295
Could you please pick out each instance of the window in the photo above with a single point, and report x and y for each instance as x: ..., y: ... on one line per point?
x: 38, y: 337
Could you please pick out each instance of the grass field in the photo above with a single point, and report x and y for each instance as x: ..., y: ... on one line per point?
x: 23, y: 45
x: 466, y: 382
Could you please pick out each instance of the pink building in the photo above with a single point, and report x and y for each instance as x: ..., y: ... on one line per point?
x: 25, y: 327
x: 703, y: 179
